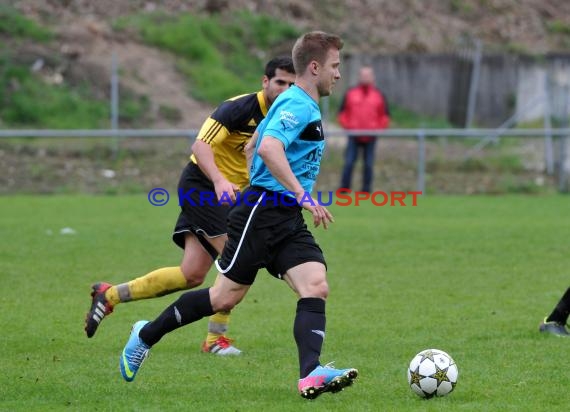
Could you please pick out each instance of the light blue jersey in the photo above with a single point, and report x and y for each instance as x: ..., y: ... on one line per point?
x: 295, y: 119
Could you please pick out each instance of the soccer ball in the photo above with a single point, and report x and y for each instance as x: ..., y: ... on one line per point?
x: 432, y: 372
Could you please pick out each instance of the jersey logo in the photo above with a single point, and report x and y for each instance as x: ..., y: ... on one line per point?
x: 288, y: 120
x: 314, y: 155
x: 252, y: 123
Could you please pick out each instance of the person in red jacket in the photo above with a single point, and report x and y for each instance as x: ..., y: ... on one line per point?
x: 363, y: 108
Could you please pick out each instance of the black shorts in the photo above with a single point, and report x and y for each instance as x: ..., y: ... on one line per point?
x: 200, y: 215
x: 265, y: 233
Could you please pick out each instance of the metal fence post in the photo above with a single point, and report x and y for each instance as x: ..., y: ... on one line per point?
x: 474, y: 84
x: 548, y: 150
x: 562, y: 177
x: 562, y: 187
x: 115, y: 102
x: 421, y: 161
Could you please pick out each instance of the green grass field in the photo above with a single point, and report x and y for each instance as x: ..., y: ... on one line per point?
x: 469, y: 275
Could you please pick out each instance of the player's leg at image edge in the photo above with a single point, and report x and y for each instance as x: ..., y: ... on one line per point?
x: 555, y: 323
x: 553, y: 327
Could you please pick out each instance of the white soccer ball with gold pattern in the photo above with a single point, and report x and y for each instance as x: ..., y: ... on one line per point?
x: 432, y: 372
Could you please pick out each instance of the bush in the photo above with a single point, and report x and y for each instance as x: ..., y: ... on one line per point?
x: 222, y: 56
x: 28, y: 101
x: 12, y: 23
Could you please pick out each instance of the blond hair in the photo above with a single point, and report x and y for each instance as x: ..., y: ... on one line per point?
x: 313, y: 45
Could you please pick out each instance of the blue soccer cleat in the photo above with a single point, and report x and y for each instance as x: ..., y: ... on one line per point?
x: 326, y: 379
x: 134, y: 353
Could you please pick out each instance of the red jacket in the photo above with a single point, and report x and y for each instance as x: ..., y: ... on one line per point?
x: 364, y: 107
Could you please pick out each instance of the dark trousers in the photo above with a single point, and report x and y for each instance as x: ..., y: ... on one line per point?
x: 350, y: 156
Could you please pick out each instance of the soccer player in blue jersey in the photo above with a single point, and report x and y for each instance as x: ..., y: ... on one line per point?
x: 267, y: 230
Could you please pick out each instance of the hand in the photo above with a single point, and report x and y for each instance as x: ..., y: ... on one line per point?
x: 226, y: 191
x: 319, y: 212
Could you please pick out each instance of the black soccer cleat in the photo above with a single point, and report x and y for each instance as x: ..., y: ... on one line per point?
x: 100, y: 307
x: 553, y: 328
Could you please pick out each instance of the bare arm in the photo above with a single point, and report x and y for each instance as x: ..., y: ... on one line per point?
x: 205, y: 158
x: 272, y: 152
x: 250, y: 149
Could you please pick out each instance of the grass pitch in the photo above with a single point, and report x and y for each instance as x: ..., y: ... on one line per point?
x: 472, y: 276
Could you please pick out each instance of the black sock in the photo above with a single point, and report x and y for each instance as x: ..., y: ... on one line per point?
x: 190, y: 307
x: 562, y: 310
x: 309, y: 332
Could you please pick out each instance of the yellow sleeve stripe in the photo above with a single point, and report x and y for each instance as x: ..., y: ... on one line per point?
x: 261, y: 101
x: 212, y: 132
x: 210, y: 129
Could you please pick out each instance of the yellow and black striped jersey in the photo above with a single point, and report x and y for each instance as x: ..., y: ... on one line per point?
x: 227, y: 131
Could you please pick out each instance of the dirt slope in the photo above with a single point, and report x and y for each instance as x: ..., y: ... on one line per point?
x: 143, y: 70
x: 369, y: 26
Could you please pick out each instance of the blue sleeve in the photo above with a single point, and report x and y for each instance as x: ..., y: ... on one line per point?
x: 289, y: 120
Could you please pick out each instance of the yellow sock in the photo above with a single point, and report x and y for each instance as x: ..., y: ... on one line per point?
x: 156, y: 283
x: 217, y: 326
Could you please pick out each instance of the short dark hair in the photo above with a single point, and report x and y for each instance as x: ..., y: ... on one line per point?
x: 280, y: 62
x: 314, y: 45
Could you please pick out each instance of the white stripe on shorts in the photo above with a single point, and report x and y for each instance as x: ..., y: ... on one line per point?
x: 226, y: 270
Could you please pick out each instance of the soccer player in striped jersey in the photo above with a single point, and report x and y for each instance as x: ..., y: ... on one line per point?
x: 217, y: 168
